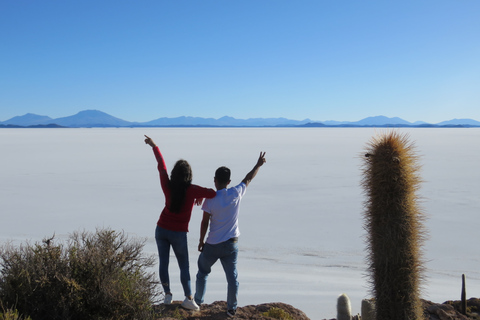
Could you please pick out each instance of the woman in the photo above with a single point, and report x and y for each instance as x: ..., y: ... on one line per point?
x: 172, y: 227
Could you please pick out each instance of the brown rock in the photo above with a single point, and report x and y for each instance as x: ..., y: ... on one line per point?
x: 473, y: 307
x: 218, y: 310
x: 437, y: 311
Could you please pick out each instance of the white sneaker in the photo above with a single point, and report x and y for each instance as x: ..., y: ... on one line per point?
x: 190, y: 304
x: 168, y: 298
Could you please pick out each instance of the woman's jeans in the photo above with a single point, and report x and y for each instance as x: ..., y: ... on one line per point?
x: 178, y: 241
x: 227, y: 252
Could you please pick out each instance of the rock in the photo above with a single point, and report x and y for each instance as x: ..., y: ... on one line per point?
x: 218, y: 309
x: 444, y: 311
x: 473, y: 307
x: 448, y: 310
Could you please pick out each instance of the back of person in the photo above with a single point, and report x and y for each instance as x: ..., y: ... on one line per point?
x: 178, y: 221
x: 221, y: 213
x: 224, y: 210
x: 172, y: 226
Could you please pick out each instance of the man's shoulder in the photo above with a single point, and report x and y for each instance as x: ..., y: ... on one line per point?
x: 238, y: 189
x: 242, y: 185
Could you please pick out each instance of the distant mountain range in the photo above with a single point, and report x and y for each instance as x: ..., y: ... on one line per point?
x: 95, y: 118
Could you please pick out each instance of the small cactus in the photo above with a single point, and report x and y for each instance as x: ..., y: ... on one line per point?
x: 344, y: 309
x: 368, y: 309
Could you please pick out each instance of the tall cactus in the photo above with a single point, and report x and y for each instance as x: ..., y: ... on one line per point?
x: 395, y: 226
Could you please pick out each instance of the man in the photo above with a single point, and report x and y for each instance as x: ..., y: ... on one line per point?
x: 221, y: 212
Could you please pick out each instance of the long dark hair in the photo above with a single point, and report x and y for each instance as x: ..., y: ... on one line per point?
x: 180, y: 180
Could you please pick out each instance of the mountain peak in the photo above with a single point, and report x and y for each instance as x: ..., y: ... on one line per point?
x: 92, y: 113
x: 382, y: 120
x: 91, y: 118
x: 457, y: 122
x: 27, y: 119
x: 226, y: 118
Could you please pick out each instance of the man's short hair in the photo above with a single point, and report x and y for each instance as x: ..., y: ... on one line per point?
x: 222, y: 175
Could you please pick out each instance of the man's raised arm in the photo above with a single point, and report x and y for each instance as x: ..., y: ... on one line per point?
x: 249, y: 177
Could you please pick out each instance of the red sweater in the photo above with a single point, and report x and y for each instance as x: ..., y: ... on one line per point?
x: 177, y: 221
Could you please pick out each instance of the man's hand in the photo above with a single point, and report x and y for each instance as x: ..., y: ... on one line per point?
x: 149, y: 141
x: 261, y: 159
x: 200, y: 246
x: 198, y: 201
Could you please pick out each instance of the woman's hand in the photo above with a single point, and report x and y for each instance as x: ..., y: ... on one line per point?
x: 149, y: 141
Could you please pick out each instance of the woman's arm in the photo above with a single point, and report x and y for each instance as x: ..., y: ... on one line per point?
x: 162, y: 168
x: 158, y: 154
x: 201, y: 192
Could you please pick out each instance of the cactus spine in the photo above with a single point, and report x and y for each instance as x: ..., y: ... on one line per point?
x: 344, y: 309
x: 395, y: 226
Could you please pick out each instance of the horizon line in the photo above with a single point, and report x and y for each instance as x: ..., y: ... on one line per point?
x: 251, y: 118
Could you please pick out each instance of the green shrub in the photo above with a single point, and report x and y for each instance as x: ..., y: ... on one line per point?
x: 11, y: 314
x: 101, y: 275
x: 278, y: 313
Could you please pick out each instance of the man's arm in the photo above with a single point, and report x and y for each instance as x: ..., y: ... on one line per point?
x: 249, y: 177
x: 203, y: 229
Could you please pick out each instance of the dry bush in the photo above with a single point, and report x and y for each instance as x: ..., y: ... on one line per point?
x: 101, y: 275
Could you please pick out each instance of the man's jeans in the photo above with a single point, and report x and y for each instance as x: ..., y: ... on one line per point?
x: 178, y: 240
x: 227, y: 252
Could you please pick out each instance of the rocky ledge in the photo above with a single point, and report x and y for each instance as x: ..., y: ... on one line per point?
x: 449, y: 310
x: 218, y: 309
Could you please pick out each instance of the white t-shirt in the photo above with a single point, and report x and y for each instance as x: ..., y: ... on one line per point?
x: 224, y: 209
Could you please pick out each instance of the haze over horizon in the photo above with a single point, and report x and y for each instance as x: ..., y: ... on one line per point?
x: 97, y: 118
x: 319, y: 60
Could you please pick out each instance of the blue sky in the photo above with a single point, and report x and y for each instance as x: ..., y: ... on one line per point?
x: 316, y: 59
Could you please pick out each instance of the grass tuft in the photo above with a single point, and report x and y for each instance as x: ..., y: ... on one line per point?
x: 278, y: 313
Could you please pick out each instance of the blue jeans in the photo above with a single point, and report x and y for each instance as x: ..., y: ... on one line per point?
x: 178, y: 241
x: 227, y: 252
